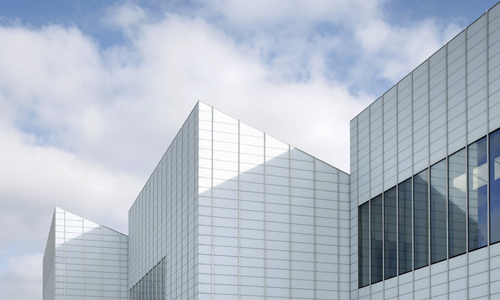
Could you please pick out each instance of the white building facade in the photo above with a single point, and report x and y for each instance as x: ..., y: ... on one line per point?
x: 233, y: 213
x: 424, y: 188
x: 84, y: 260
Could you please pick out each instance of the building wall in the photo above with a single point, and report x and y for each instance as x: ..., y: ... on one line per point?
x: 49, y: 264
x: 162, y: 223
x: 448, y: 102
x: 84, y: 260
x: 273, y: 221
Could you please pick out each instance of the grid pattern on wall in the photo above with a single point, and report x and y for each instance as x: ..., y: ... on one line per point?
x: 162, y: 220
x: 273, y: 221
x: 89, y: 260
x: 449, y: 101
x: 152, y: 285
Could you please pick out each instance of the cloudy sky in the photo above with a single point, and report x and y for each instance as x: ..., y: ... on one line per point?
x: 92, y: 92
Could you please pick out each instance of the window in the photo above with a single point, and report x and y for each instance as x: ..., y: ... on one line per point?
x: 457, y: 209
x: 438, y: 212
x: 390, y: 234
x: 405, y: 226
x: 364, y: 244
x: 421, y: 219
x: 376, y: 239
x: 478, y: 193
x: 494, y: 187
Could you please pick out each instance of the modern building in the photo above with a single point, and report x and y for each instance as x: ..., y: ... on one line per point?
x: 233, y: 213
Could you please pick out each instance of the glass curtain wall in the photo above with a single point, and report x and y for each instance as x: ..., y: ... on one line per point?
x: 451, y: 197
x: 478, y: 194
x: 494, y: 187
x: 405, y: 226
x: 364, y: 244
x: 438, y: 212
x: 376, y: 239
x: 457, y: 207
x: 421, y: 219
x: 390, y: 234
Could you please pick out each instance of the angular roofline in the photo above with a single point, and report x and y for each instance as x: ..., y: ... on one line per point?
x: 445, y: 44
x: 55, y: 208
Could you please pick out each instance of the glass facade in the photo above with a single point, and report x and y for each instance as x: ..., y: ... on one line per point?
x: 438, y: 212
x: 457, y: 207
x: 437, y: 197
x: 478, y: 194
x: 390, y: 234
x: 405, y: 226
x: 376, y: 239
x: 421, y: 219
x: 494, y: 186
x: 152, y: 285
x: 364, y: 244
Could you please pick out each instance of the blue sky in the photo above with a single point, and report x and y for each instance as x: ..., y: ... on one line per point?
x: 92, y: 92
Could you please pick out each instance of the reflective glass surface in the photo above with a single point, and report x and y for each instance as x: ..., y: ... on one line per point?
x: 421, y: 219
x: 376, y: 239
x: 478, y: 189
x: 438, y: 212
x: 364, y: 244
x: 457, y: 187
x: 495, y: 186
x: 390, y: 234
x: 405, y: 226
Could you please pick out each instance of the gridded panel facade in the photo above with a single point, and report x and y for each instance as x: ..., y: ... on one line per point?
x: 438, y: 112
x: 163, y: 223
x: 273, y: 221
x: 89, y: 261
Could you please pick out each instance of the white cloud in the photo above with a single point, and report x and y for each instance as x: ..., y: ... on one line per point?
x: 22, y: 277
x: 394, y: 50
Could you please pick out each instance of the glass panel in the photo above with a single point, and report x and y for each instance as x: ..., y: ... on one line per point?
x: 390, y: 234
x: 421, y: 219
x: 364, y: 244
x: 495, y: 187
x: 478, y: 188
x: 438, y: 212
x: 457, y: 187
x: 376, y: 238
x: 405, y: 226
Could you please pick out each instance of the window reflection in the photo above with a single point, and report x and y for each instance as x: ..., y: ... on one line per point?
x: 364, y: 244
x: 495, y: 186
x: 421, y: 215
x: 390, y: 234
x: 151, y: 286
x: 376, y: 239
x: 445, y: 187
x: 478, y: 189
x: 405, y: 226
x: 457, y: 205
x: 438, y: 212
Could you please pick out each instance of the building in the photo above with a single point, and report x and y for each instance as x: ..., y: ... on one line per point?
x: 84, y: 260
x: 232, y: 213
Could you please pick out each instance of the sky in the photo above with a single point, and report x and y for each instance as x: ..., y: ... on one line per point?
x: 93, y: 92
